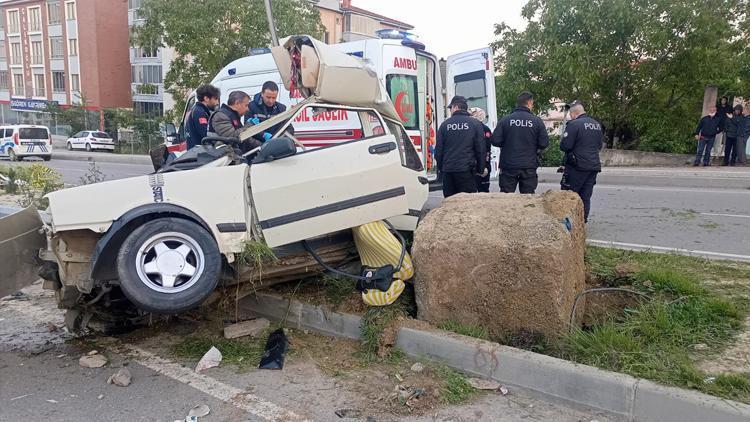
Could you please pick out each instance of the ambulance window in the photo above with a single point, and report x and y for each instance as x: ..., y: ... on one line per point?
x: 403, y: 92
x: 409, y: 157
x: 472, y: 86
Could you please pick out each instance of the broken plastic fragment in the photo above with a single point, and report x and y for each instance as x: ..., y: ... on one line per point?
x: 211, y: 359
x: 199, y: 411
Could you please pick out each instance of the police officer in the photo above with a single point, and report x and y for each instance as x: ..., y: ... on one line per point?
x: 459, y: 150
x: 581, y: 143
x: 522, y: 137
x: 265, y: 105
x: 197, y: 127
x: 226, y: 121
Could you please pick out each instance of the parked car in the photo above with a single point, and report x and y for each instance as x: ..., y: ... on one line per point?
x: 21, y: 141
x: 90, y: 140
x: 162, y: 242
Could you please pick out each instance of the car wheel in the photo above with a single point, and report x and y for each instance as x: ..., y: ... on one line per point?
x: 69, y: 146
x: 169, y: 265
x: 88, y: 147
x: 12, y: 155
x: 46, y: 157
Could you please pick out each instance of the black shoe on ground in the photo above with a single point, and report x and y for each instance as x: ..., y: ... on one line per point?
x: 707, y: 165
x: 695, y: 164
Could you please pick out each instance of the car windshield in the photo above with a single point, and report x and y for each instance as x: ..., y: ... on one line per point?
x: 33, y: 133
x: 99, y: 135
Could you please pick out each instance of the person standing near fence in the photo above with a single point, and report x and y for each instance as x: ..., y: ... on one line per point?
x: 734, y: 128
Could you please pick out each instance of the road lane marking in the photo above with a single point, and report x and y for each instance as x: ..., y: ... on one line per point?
x: 726, y: 215
x: 662, y: 249
x: 241, y: 399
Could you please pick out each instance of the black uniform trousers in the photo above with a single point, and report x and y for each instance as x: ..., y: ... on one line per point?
x: 458, y: 182
x: 483, y: 183
x: 581, y: 182
x: 526, y: 180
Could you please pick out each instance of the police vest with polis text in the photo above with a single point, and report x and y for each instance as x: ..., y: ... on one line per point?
x: 520, y: 136
x: 581, y: 142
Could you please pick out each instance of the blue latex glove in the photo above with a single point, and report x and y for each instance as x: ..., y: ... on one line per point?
x: 267, y: 136
x: 254, y: 120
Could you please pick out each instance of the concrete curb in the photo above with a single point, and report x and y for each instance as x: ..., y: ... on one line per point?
x: 622, y: 395
x: 102, y: 157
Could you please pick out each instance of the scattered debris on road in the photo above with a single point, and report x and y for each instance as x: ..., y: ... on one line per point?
x: 253, y: 328
x: 199, y: 411
x: 100, y: 396
x: 92, y: 360
x: 122, y: 378
x: 482, y: 384
x: 276, y: 347
x: 349, y: 413
x: 417, y: 367
x: 211, y: 359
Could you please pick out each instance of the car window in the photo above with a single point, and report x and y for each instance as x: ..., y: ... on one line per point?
x: 317, y: 126
x: 33, y: 133
x: 409, y: 157
x: 99, y: 135
x: 3, y: 133
x: 373, y: 124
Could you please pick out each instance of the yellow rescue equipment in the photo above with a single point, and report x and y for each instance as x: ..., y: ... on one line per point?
x: 378, y: 247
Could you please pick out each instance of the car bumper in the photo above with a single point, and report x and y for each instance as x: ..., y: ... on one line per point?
x: 98, y: 145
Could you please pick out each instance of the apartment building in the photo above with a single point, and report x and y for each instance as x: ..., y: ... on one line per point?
x: 63, y: 52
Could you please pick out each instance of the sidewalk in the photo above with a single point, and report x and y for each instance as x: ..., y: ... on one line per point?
x: 100, y: 157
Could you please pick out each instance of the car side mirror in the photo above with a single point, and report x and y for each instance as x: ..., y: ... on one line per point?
x: 275, y: 149
x: 170, y: 129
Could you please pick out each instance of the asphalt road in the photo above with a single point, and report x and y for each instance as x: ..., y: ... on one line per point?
x: 696, y: 219
x: 644, y: 215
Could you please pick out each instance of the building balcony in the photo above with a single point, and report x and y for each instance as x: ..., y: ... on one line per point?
x: 147, y: 92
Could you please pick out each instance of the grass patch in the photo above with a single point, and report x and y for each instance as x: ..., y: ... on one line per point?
x: 470, y: 330
x: 256, y: 253
x: 456, y: 389
x: 244, y: 352
x: 655, y: 340
x: 377, y: 320
x: 336, y: 288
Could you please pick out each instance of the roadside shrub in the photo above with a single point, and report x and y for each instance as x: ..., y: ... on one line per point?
x: 552, y: 156
x: 36, y: 181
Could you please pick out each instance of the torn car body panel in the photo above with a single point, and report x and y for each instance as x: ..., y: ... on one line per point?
x: 21, y: 237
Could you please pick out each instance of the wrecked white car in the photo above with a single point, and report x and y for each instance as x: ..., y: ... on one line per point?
x: 164, y: 241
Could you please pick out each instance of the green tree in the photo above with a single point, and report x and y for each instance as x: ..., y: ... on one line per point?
x: 641, y: 66
x: 208, y: 35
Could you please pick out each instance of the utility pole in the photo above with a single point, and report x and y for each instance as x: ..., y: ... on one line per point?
x: 271, y: 24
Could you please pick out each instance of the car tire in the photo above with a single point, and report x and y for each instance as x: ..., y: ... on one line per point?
x: 88, y: 147
x: 169, y: 265
x: 46, y: 157
x: 69, y: 146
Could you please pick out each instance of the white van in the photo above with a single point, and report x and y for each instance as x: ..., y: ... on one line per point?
x: 411, y: 75
x: 20, y: 141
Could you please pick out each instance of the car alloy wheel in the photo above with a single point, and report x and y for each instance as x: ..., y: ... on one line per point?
x: 12, y: 155
x: 170, y: 262
x: 69, y: 146
x: 88, y: 147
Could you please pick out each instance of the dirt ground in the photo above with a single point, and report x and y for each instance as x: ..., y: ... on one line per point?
x: 8, y: 200
x: 736, y: 358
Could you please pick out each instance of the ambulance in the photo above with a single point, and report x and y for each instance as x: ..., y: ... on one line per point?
x: 419, y: 84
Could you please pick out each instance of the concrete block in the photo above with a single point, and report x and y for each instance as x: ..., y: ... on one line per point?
x: 302, y: 315
x: 580, y: 384
x: 246, y: 328
x: 657, y: 403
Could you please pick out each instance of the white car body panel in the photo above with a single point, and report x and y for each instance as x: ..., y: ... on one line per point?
x: 216, y: 194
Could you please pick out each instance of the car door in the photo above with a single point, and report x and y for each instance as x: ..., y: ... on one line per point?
x: 415, y: 179
x: 75, y: 140
x: 328, y: 189
x: 471, y: 74
x: 5, y: 142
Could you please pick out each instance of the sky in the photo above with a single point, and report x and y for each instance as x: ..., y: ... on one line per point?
x: 450, y: 27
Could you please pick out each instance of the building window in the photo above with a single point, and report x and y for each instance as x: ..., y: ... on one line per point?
x: 35, y: 19
x: 73, y: 47
x: 18, y: 86
x: 39, y: 90
x: 70, y: 10
x: 149, y: 109
x: 2, y: 50
x: 15, y: 53
x: 146, y: 74
x: 3, y: 80
x: 14, y: 23
x: 53, y: 13
x: 37, y: 52
x: 75, y: 84
x: 136, y: 7
x: 56, y: 49
x: 58, y: 81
